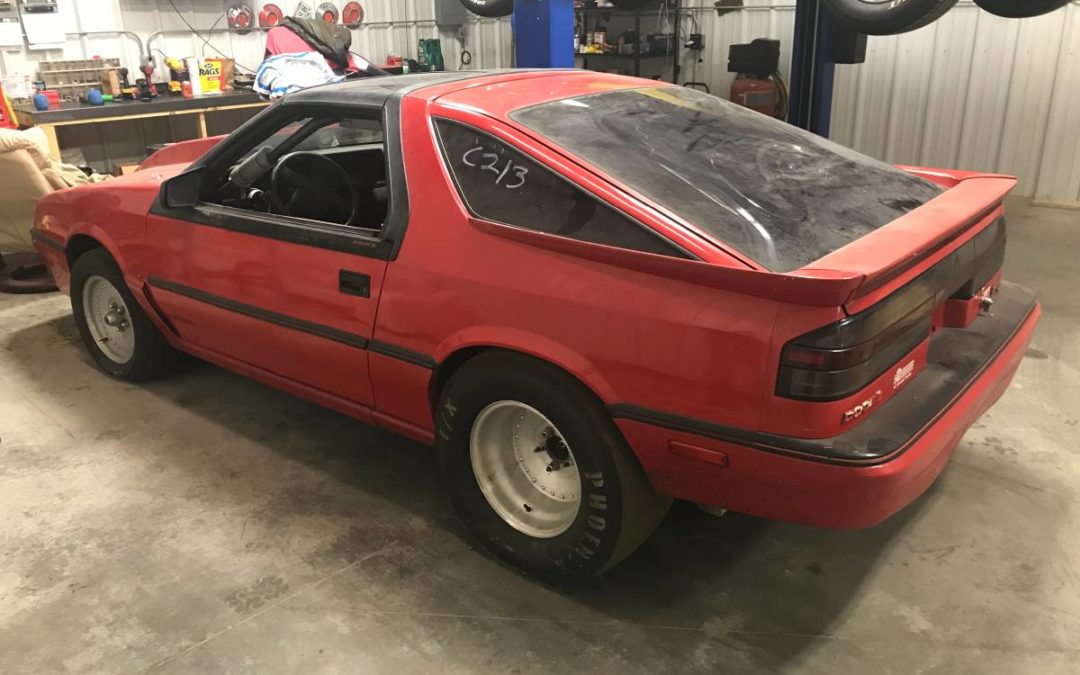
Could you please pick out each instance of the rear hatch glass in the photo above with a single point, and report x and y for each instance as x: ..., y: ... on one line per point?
x: 781, y: 196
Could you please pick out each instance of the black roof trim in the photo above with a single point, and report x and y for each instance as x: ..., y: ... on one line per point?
x: 375, y: 91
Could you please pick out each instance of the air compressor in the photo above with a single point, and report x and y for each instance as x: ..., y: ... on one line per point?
x: 758, y: 84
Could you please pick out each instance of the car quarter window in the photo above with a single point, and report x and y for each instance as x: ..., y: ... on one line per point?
x: 500, y: 184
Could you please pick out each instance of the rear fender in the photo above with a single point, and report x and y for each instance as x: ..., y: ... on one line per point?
x: 513, y: 339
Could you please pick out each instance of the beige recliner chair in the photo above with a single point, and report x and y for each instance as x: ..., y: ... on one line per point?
x: 27, y: 173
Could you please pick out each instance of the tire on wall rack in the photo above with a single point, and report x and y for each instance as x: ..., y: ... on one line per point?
x: 490, y: 8
x: 888, y: 17
x: 1015, y: 9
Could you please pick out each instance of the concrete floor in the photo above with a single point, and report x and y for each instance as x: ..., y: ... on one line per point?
x: 209, y: 524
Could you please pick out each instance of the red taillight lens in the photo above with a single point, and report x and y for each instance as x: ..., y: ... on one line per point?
x: 840, y: 359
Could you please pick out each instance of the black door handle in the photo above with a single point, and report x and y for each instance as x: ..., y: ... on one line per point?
x: 354, y: 283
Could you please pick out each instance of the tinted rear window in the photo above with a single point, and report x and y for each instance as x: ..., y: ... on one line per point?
x: 779, y: 195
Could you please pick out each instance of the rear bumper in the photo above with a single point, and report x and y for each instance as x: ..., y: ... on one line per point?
x: 867, y: 474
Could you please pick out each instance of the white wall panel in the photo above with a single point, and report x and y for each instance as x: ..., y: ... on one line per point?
x: 972, y: 91
x: 1059, y: 166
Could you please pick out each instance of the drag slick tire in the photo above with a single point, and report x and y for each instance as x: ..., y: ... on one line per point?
x: 887, y: 17
x: 490, y: 8
x: 119, y: 336
x: 1020, y: 9
x: 538, y: 471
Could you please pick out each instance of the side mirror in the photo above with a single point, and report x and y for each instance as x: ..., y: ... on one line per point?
x: 182, y: 190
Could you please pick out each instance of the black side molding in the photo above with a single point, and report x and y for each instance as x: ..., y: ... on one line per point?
x: 403, y: 354
x: 328, y: 332
x: 45, y: 240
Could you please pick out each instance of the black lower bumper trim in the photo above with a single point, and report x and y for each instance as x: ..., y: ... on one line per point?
x: 956, y: 359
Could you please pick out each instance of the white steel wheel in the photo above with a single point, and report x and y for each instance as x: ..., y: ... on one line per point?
x: 525, y: 469
x: 108, y: 319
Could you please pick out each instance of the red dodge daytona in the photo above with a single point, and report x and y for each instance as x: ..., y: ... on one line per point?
x: 590, y: 293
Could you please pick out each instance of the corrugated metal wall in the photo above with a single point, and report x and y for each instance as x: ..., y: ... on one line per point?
x: 972, y: 90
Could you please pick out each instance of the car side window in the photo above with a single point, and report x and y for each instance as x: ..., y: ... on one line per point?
x: 500, y: 184
x: 326, y: 169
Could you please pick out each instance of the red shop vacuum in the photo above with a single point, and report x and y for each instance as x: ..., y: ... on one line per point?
x: 758, y: 84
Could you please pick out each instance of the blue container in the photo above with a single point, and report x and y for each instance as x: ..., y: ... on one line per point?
x: 41, y: 101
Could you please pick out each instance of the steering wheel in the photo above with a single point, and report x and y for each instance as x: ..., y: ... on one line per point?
x: 310, y: 185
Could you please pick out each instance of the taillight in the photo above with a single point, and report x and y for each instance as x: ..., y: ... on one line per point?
x: 838, y: 360
x: 842, y: 358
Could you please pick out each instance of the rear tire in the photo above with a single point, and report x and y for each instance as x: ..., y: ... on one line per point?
x: 502, y: 395
x: 490, y: 8
x: 116, y: 331
x: 1020, y: 9
x: 888, y: 17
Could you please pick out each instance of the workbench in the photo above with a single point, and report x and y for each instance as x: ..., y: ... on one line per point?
x: 163, y: 106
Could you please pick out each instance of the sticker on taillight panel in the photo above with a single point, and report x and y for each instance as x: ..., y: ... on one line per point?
x: 861, y: 409
x: 903, y: 374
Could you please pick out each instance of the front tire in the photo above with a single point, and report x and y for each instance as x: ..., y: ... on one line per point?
x: 119, y: 336
x: 888, y: 17
x: 538, y: 471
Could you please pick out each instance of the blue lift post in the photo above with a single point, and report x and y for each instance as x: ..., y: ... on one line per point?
x: 543, y: 33
x: 821, y: 42
x: 812, y: 68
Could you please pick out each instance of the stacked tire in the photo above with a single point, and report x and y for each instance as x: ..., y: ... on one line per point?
x: 888, y: 17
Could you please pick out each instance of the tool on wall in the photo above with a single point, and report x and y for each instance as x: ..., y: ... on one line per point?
x: 758, y: 84
x: 352, y: 15
x: 240, y: 17
x: 328, y: 12
x: 270, y: 15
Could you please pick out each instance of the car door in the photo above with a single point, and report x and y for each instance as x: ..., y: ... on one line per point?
x: 290, y: 295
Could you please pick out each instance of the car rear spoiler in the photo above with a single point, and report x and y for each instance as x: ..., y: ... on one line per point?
x: 822, y: 288
x: 865, y: 264
x: 900, y: 246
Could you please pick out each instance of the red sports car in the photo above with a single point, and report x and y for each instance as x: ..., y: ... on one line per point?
x: 591, y: 293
